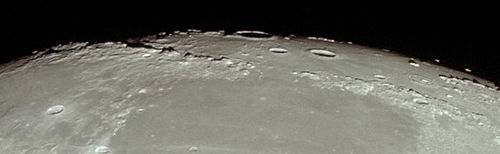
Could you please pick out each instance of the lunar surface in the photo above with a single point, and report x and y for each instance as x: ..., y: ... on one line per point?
x: 247, y: 92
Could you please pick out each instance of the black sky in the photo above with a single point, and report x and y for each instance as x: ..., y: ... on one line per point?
x: 462, y: 35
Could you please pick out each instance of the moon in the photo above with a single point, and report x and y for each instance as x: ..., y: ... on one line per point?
x: 246, y: 92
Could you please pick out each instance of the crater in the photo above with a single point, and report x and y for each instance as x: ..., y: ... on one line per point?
x: 323, y: 53
x: 254, y: 34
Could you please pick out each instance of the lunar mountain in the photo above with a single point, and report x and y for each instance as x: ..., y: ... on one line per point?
x: 247, y: 92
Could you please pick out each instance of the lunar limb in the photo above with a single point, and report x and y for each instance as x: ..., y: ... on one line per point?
x: 247, y: 92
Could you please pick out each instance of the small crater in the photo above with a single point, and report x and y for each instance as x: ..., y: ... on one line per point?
x: 169, y: 49
x: 312, y: 38
x: 379, y: 76
x: 412, y: 62
x: 310, y: 75
x: 278, y: 50
x: 193, y: 149
x: 420, y: 101
x: 323, y: 53
x: 55, y: 110
x: 419, y: 79
x: 254, y: 34
x: 193, y: 31
x: 142, y: 91
x: 49, y: 51
x: 476, y: 113
x: 139, y: 43
x: 102, y: 150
